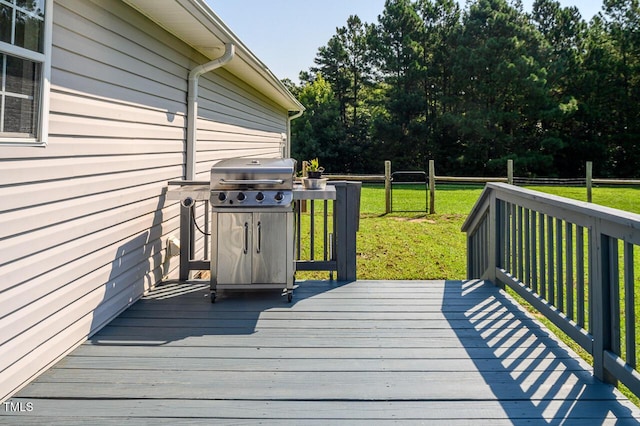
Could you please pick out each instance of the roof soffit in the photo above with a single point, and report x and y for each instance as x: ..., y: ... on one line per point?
x: 193, y: 22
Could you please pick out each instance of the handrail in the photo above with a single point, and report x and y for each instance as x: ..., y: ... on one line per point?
x: 573, y: 261
x: 251, y: 181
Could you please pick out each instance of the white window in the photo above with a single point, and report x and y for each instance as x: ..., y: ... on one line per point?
x: 25, y: 56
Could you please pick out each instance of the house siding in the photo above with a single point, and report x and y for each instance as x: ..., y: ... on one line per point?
x: 84, y: 221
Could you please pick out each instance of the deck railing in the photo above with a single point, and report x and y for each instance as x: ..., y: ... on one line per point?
x: 326, y: 235
x: 572, y: 261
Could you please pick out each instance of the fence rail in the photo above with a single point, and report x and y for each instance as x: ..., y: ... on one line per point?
x: 432, y: 179
x: 387, y: 178
x: 573, y: 261
x: 616, y: 181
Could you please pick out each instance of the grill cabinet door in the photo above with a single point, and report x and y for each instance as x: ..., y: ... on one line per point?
x: 234, y: 248
x: 269, y: 248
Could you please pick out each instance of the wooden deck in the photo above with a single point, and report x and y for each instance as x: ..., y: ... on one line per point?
x: 367, y: 352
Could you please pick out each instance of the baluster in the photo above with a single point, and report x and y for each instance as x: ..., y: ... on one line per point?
x: 629, y: 304
x: 559, y: 266
x: 534, y: 251
x: 520, y: 236
x: 514, y: 238
x: 580, y: 274
x: 614, y: 280
x: 507, y: 236
x: 527, y: 248
x: 542, y: 257
x: 550, y: 262
x: 569, y: 278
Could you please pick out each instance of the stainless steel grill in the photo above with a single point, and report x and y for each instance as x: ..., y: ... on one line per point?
x: 252, y: 235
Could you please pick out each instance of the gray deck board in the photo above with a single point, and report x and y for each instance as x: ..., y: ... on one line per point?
x: 368, y: 352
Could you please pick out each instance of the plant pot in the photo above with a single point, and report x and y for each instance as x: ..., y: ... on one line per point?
x: 314, y: 175
x: 310, y: 183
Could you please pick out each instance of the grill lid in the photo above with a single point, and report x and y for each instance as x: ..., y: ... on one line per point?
x: 247, y: 182
x: 253, y: 173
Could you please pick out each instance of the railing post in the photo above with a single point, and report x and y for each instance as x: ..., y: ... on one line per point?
x: 347, y: 218
x: 387, y: 186
x: 600, y: 300
x: 510, y: 172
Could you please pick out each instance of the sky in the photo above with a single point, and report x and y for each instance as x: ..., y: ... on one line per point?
x: 286, y: 34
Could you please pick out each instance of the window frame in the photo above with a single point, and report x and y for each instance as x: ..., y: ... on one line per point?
x: 42, y: 128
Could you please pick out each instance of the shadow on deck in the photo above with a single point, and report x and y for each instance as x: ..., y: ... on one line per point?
x: 436, y: 352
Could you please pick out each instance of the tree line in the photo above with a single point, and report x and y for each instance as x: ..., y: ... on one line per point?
x: 474, y: 87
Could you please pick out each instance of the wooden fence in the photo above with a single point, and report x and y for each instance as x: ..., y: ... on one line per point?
x: 573, y: 261
x: 387, y: 178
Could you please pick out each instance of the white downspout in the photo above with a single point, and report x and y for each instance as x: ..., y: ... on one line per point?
x: 291, y: 118
x: 192, y: 105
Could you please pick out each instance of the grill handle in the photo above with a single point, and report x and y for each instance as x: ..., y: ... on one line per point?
x: 251, y: 181
x: 259, y: 237
x: 246, y: 237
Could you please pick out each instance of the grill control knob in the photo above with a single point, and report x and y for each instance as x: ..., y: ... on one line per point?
x: 241, y: 196
x: 279, y: 196
x: 222, y: 196
x: 259, y: 197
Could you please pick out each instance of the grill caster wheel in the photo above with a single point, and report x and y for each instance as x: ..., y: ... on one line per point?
x: 213, y: 298
x: 289, y: 297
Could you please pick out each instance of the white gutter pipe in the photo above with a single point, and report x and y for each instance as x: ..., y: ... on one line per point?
x: 192, y: 105
x: 291, y: 118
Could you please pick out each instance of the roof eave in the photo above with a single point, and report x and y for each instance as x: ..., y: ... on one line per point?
x: 196, y: 24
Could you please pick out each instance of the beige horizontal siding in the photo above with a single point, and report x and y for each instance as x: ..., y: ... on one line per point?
x: 236, y: 108
x: 49, y: 192
x: 84, y: 220
x: 21, y: 221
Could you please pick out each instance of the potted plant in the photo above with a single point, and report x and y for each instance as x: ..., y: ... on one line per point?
x: 314, y: 178
x: 314, y: 170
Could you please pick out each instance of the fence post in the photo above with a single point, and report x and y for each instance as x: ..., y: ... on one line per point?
x: 432, y: 187
x: 510, y: 172
x: 387, y: 186
x: 589, y: 181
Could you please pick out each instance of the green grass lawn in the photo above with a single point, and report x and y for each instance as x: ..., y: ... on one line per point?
x: 417, y: 245
x: 413, y: 245
x: 407, y: 245
x: 623, y: 198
